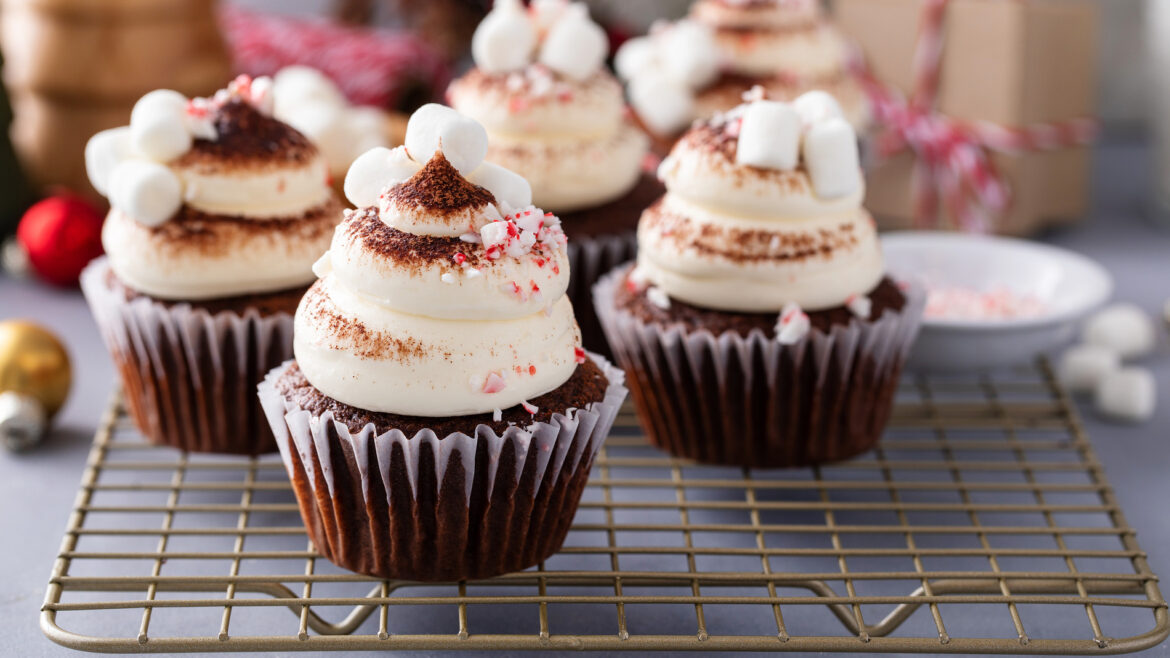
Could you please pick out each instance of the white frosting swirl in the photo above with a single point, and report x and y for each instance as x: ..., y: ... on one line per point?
x: 276, y: 189
x: 409, y: 320
x: 746, y: 239
x: 817, y: 51
x: 569, y: 138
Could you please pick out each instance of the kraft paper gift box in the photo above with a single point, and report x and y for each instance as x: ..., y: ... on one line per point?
x: 1011, y: 63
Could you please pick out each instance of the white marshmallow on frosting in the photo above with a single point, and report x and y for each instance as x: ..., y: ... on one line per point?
x: 296, y: 86
x: 635, y: 56
x: 159, y: 101
x: 1128, y: 394
x: 512, y: 191
x: 816, y: 106
x: 1083, y: 367
x: 148, y: 192
x: 158, y: 128
x: 664, y: 105
x: 769, y: 136
x: 376, y: 170
x: 464, y: 141
x: 832, y: 158
x: 105, y: 151
x: 690, y: 54
x: 505, y: 39
x: 1124, y: 328
x: 575, y: 46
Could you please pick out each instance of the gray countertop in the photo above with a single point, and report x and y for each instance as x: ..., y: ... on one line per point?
x: 37, y: 489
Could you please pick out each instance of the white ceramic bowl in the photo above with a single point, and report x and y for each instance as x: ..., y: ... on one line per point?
x: 1067, y: 286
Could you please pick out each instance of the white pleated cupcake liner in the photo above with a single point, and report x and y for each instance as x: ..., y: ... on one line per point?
x: 426, y: 507
x: 189, y: 376
x: 752, y: 401
x: 590, y: 258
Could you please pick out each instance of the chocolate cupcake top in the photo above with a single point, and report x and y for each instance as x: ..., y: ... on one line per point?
x: 211, y: 197
x: 762, y: 212
x: 552, y: 110
x: 444, y: 293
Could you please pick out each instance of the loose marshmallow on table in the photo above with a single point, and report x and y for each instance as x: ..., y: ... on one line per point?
x: 432, y: 127
x: 511, y: 190
x: 148, y: 192
x: 832, y: 159
x: 816, y: 106
x: 575, y: 46
x: 1083, y: 367
x: 103, y: 152
x: 1124, y: 327
x: 769, y: 136
x: 376, y: 170
x: 1128, y: 394
x: 664, y: 105
x: 505, y: 39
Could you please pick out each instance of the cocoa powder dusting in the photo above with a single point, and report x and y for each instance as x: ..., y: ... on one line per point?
x: 193, y: 231
x: 353, y: 335
x: 247, y: 137
x: 406, y: 248
x: 439, y: 187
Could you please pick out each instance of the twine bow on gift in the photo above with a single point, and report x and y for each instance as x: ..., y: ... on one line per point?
x: 953, y: 166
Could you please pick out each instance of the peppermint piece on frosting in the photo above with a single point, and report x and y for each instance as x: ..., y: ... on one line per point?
x: 435, y: 127
x: 658, y: 297
x: 832, y: 158
x: 859, y: 305
x: 505, y: 38
x: 148, y: 192
x: 494, y: 383
x: 376, y: 170
x: 575, y: 46
x: 769, y: 136
x: 793, y: 325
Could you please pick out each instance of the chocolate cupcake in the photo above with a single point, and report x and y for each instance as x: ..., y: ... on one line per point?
x: 705, y: 63
x: 440, y: 418
x: 758, y: 327
x: 555, y: 115
x: 218, y: 212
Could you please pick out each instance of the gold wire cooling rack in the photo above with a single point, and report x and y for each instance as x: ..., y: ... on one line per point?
x: 982, y: 524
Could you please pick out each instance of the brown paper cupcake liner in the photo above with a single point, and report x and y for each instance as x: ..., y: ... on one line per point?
x: 426, y: 508
x: 751, y: 401
x: 590, y: 258
x: 189, y: 376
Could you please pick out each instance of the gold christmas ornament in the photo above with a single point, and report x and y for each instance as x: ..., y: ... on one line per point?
x: 33, y: 363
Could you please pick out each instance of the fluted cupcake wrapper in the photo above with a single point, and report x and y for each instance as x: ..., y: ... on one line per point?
x: 189, y: 376
x: 752, y: 401
x: 590, y: 258
x: 429, y: 508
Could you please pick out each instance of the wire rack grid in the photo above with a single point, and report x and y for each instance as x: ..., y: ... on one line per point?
x: 982, y: 524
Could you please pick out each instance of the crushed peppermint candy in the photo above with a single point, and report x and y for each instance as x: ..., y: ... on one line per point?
x: 960, y: 303
x: 523, y: 232
x: 497, y: 415
x: 200, y: 112
x: 447, y: 278
x: 793, y: 324
x: 494, y: 383
x: 756, y: 93
x: 636, y: 282
x: 579, y: 354
x: 529, y: 407
x: 473, y: 272
x: 658, y: 297
x: 859, y: 305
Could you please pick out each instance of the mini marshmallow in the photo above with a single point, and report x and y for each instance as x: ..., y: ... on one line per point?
x: 160, y: 137
x: 297, y: 86
x: 690, y: 54
x: 463, y: 141
x: 105, y: 151
x: 1124, y: 328
x: 832, y: 158
x: 263, y: 98
x: 158, y: 102
x: 512, y: 191
x: 816, y: 106
x: 635, y: 56
x: 664, y: 105
x: 575, y: 46
x: 1127, y: 394
x: 505, y: 39
x: 547, y: 12
x: 147, y: 192
x: 376, y: 170
x: 1083, y: 367
x: 769, y: 136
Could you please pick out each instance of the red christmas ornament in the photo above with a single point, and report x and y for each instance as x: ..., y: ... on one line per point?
x: 60, y: 235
